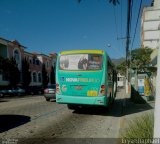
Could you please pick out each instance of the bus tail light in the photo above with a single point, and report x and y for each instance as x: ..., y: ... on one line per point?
x: 102, y: 91
x: 57, y: 88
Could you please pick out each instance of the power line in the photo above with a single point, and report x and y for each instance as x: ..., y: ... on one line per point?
x: 136, y: 24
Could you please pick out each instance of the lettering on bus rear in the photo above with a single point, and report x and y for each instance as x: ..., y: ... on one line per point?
x: 85, y: 80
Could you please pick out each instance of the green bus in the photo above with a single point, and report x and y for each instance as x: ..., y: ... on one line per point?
x: 85, y: 77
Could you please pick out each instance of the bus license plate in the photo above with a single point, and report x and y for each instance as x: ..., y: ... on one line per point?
x: 92, y: 93
x: 78, y: 87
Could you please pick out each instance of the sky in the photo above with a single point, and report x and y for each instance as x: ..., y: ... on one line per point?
x: 51, y: 26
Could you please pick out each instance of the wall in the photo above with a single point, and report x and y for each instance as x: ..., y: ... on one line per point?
x: 150, y: 26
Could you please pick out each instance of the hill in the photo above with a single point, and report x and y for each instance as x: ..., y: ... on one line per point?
x: 118, y: 61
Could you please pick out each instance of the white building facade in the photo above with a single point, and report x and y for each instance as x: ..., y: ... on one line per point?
x: 150, y: 25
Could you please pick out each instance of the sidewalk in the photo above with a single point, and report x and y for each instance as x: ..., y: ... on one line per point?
x: 132, y: 110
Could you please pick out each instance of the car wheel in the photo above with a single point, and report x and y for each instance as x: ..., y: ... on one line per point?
x: 39, y: 92
x: 47, y: 99
x: 1, y: 95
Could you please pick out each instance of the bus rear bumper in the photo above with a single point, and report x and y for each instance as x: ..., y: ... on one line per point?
x: 98, y: 100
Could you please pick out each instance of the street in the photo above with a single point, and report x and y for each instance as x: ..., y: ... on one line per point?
x: 34, y: 117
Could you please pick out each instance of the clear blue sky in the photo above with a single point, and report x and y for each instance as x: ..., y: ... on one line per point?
x: 47, y: 26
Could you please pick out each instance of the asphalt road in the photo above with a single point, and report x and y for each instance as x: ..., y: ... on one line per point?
x: 31, y: 117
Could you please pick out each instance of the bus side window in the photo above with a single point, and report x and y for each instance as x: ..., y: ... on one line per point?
x: 110, y: 72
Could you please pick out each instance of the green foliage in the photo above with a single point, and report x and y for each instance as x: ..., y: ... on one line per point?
x: 26, y: 74
x: 140, y: 127
x: 4, y: 67
x: 45, y: 78
x: 14, y: 73
x: 140, y: 58
x: 1, y: 64
x: 10, y: 69
x: 122, y: 68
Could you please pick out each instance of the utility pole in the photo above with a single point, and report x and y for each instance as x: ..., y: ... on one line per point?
x: 127, y: 45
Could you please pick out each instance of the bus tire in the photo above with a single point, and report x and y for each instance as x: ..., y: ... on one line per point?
x: 107, y: 108
x: 47, y: 99
x: 110, y: 100
x: 113, y: 99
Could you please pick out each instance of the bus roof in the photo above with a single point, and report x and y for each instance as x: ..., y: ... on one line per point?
x: 82, y: 51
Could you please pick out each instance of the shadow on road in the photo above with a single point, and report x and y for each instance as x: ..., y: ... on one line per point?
x: 133, y: 108
x: 120, y: 108
x: 3, y: 100
x: 113, y: 110
x: 8, y: 122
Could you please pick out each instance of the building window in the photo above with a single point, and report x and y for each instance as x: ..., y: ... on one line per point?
x: 47, y: 64
x: 39, y: 77
x: 37, y: 62
x: 34, y: 61
x: 34, y: 77
x: 30, y: 61
x: 17, y: 56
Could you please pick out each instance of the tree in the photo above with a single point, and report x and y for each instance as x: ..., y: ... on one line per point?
x: 45, y: 78
x: 5, y: 67
x: 53, y: 75
x: 26, y: 74
x: 1, y: 62
x: 122, y: 68
x: 14, y: 73
x: 140, y: 59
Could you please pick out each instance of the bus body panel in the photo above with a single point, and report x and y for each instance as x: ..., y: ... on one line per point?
x: 100, y: 100
x: 79, y: 83
x: 83, y: 87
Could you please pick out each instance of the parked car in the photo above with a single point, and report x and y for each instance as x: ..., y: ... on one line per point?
x: 3, y: 91
x: 20, y: 91
x: 33, y: 90
x: 16, y: 91
x: 50, y: 92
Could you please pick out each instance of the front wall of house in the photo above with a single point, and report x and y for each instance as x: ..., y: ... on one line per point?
x: 7, y: 50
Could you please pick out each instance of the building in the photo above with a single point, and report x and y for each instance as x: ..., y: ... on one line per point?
x: 150, y: 31
x: 150, y: 25
x: 9, y: 49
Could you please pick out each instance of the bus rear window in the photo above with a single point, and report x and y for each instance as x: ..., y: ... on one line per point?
x: 80, y: 62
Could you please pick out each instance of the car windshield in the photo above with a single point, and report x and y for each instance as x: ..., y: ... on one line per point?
x: 81, y: 62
